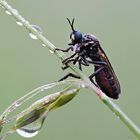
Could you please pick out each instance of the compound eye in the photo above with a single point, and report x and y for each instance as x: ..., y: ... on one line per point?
x: 78, y: 36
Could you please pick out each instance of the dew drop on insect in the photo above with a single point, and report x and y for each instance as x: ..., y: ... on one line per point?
x: 7, y: 12
x: 33, y: 36
x: 19, y: 23
x: 51, y: 51
x: 31, y: 129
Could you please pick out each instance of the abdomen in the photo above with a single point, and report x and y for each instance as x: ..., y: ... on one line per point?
x: 108, y: 82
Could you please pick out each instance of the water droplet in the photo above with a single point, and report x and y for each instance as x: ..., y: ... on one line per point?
x: 83, y: 86
x: 1, y: 6
x: 15, y: 11
x: 27, y: 22
x: 51, y: 51
x: 17, y: 104
x: 31, y: 129
x: 118, y: 117
x: 33, y: 36
x: 2, y: 138
x: 43, y: 45
x: 19, y: 23
x: 37, y: 28
x: 7, y: 12
x: 42, y: 89
x: 26, y: 133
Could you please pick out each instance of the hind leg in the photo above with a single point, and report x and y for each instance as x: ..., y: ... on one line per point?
x: 92, y: 75
x: 69, y: 75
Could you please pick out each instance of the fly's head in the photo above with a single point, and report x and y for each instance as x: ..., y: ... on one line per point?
x: 75, y: 36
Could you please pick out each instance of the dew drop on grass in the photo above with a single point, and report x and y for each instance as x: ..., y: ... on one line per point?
x: 118, y: 117
x: 43, y: 45
x: 19, y: 23
x: 15, y: 11
x: 1, y: 6
x: 27, y: 133
x: 33, y: 36
x: 31, y: 129
x: 42, y: 89
x: 37, y: 28
x: 7, y: 12
x: 51, y: 51
x: 83, y: 86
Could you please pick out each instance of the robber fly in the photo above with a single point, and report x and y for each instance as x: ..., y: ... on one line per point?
x: 87, y: 50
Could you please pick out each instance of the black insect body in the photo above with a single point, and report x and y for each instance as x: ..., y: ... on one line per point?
x: 87, y: 50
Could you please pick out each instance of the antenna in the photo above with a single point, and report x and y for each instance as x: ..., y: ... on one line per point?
x: 71, y: 24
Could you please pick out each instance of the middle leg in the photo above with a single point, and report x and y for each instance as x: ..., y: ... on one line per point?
x: 69, y: 75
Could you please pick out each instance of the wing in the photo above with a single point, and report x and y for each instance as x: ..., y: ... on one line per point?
x: 104, y: 58
x: 107, y: 78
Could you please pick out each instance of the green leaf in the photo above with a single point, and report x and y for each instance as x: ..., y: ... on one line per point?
x: 64, y: 98
x: 37, y: 109
x: 31, y: 120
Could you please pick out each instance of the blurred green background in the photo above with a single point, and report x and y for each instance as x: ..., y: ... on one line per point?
x: 25, y: 64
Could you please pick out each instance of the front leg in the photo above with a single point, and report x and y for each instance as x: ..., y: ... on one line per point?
x: 74, y: 60
x: 80, y: 61
x: 64, y: 50
x: 69, y: 58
